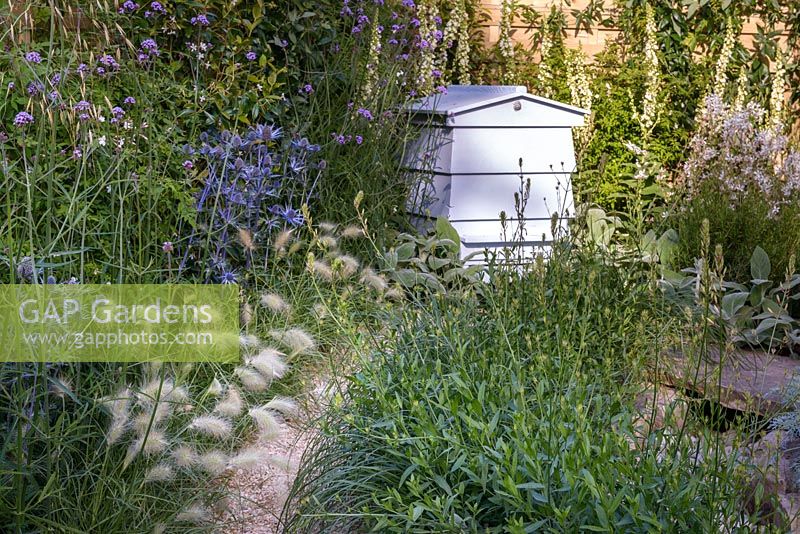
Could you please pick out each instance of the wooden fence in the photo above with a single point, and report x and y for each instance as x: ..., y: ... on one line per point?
x: 591, y: 42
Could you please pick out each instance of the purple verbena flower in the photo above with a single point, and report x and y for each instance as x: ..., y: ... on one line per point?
x: 158, y: 8
x: 188, y: 165
x: 200, y: 20
x: 167, y: 247
x: 33, y: 57
x: 108, y: 61
x: 83, y: 105
x: 149, y: 46
x: 34, y: 88
x: 367, y: 114
x: 23, y: 118
x: 129, y: 101
x: 359, y: 139
x: 250, y: 56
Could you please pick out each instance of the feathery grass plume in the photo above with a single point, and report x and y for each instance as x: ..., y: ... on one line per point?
x: 249, y: 458
x: 157, y: 414
x: 178, y: 394
x: 184, y: 456
x: 155, y: 390
x: 394, y: 293
x: 352, y: 232
x: 231, y: 405
x: 350, y: 265
x: 320, y: 269
x: 249, y: 341
x: 298, y: 340
x: 211, y: 425
x: 133, y: 451
x: 159, y: 473
x: 251, y: 379
x: 246, y: 238
x: 327, y: 227
x: 283, y: 405
x: 116, y: 430
x: 319, y: 310
x: 61, y: 387
x: 193, y: 514
x: 246, y: 314
x: 155, y: 442
x: 159, y: 528
x: 283, y: 239
x: 296, y: 246
x: 373, y: 280
x: 275, y: 303
x: 328, y: 241
x: 119, y: 404
x: 215, y: 389
x: 268, y: 426
x: 269, y: 363
x: 213, y: 462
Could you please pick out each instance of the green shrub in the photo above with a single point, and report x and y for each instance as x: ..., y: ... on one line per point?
x: 514, y: 416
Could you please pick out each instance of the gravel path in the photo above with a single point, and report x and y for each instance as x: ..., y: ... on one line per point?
x: 258, y: 495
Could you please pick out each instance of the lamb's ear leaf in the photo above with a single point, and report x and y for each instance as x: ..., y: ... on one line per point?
x: 760, y: 266
x: 445, y: 230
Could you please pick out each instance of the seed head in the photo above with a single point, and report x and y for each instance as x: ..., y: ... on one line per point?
x: 268, y: 362
x: 349, y: 264
x: 275, y: 303
x: 283, y: 405
x: 328, y: 242
x: 246, y: 238
x: 352, y: 232
x: 184, y: 456
x: 213, y: 462
x: 249, y: 341
x: 373, y: 280
x: 298, y: 340
x: 321, y: 269
x: 283, y: 239
x: 327, y: 227
x: 193, y: 514
x: 249, y: 458
x: 215, y: 389
x: 211, y: 425
x: 231, y: 405
x: 268, y: 426
x: 159, y: 473
x: 251, y: 379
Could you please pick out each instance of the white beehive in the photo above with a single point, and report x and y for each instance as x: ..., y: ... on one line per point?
x: 469, y: 152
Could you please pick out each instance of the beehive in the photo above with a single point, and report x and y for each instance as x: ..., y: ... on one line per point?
x: 478, y: 146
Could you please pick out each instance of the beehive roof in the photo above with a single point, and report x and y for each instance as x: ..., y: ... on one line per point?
x: 461, y: 99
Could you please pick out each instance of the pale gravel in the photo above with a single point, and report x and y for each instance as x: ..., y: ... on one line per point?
x: 257, y: 496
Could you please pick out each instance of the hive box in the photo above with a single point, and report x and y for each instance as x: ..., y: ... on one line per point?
x: 478, y: 147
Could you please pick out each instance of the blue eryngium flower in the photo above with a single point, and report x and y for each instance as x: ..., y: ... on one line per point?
x: 227, y: 277
x: 254, y: 180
